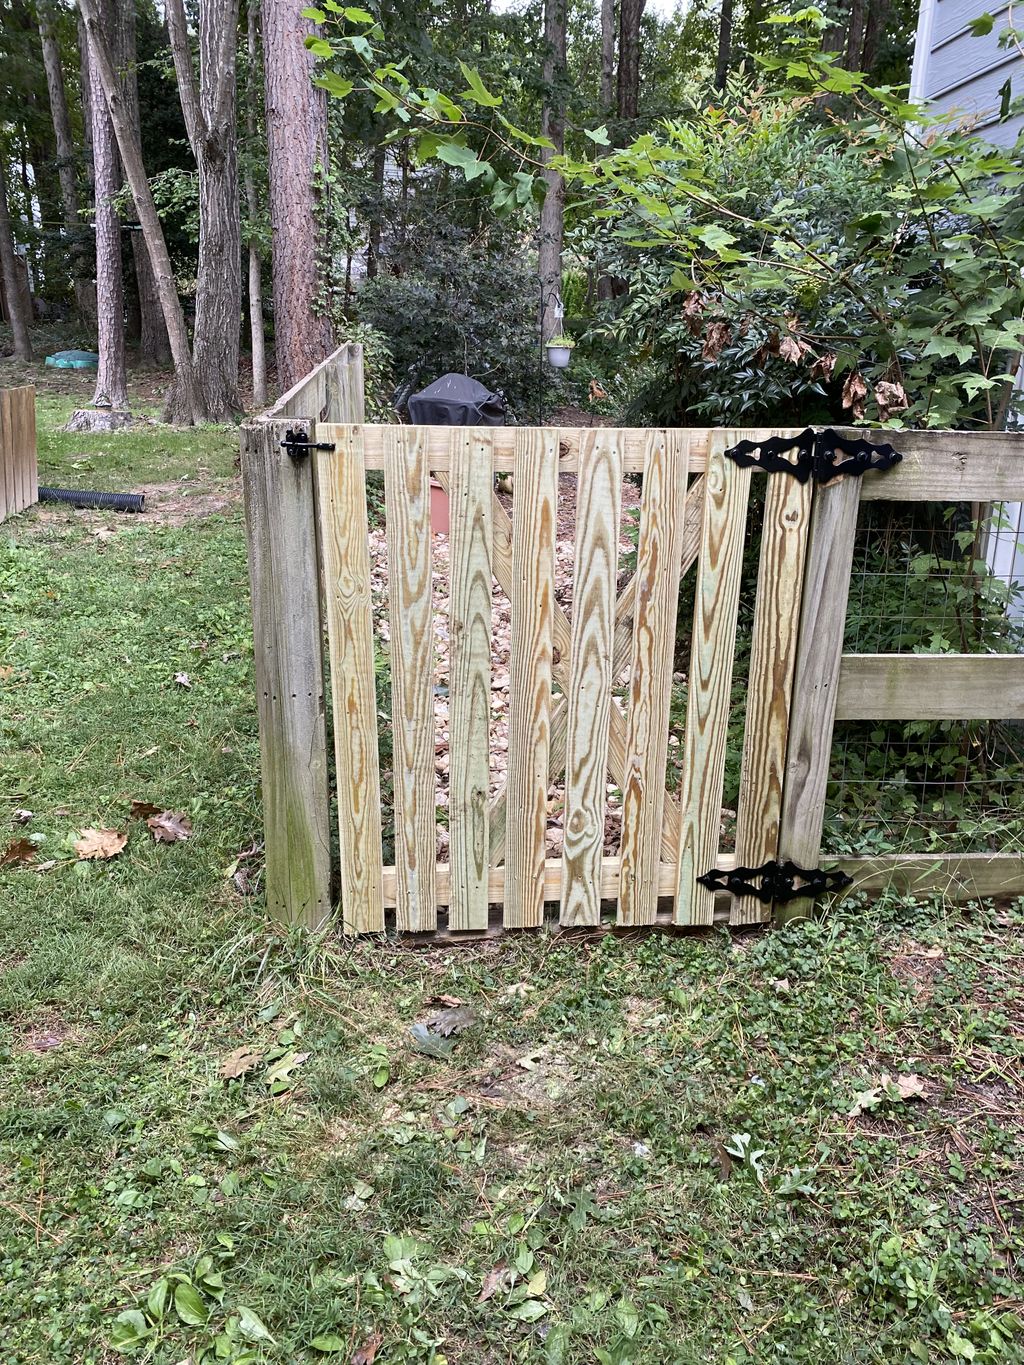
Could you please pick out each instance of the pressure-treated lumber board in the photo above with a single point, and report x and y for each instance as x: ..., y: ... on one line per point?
x: 931, y: 687
x: 815, y: 685
x: 632, y: 442
x: 32, y: 464
x: 954, y: 876
x: 709, y: 683
x: 8, y: 498
x: 665, y: 881
x: 19, y: 480
x: 659, y: 556
x: 529, y: 698
x: 332, y: 392
x: 780, y: 576
x: 287, y: 647
x: 598, y: 500
x: 346, y: 562
x: 410, y: 584
x: 469, y: 622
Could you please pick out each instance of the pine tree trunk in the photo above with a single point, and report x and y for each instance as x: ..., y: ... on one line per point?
x: 878, y: 14
x: 631, y: 12
x: 10, y: 267
x: 552, y: 213
x: 296, y: 114
x: 81, y: 273
x: 855, y: 35
x: 252, y: 208
x: 188, y: 401
x: 111, y: 374
x: 724, y: 44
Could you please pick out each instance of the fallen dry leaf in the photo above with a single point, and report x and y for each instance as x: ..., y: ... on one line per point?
x: 142, y: 810
x: 493, y: 1281
x: 18, y: 853
x: 100, y: 844
x: 911, y: 1087
x: 170, y: 826
x: 21, y: 817
x: 242, y: 1060
x: 367, y: 1353
x: 907, y: 1087
x: 183, y: 680
x: 451, y: 1021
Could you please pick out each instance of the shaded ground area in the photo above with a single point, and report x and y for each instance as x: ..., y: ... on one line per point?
x: 219, y: 1141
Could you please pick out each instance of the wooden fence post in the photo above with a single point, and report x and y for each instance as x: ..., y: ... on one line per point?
x: 288, y: 649
x: 816, y: 682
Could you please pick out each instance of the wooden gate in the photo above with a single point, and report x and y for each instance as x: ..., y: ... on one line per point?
x: 589, y: 688
x: 563, y: 715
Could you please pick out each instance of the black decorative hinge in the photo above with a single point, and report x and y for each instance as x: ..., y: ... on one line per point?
x: 298, y: 444
x: 817, y: 453
x: 778, y: 881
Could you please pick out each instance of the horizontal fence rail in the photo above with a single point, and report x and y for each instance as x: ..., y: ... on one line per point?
x: 590, y: 687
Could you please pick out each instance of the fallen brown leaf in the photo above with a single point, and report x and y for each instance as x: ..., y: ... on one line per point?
x: 100, y: 844
x: 367, y: 1353
x: 911, y: 1087
x: 170, y: 826
x: 493, y: 1281
x: 183, y: 680
x: 242, y: 1060
x: 18, y: 853
x: 21, y: 817
x: 142, y: 810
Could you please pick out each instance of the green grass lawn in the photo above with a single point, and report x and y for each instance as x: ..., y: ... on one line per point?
x: 639, y: 1149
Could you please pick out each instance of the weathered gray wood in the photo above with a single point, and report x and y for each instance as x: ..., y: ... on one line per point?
x: 333, y: 391
x: 956, y: 877
x: 289, y: 675
x: 815, y: 690
x: 931, y: 687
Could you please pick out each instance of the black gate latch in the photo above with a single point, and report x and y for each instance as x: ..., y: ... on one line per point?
x: 778, y: 881
x: 298, y: 444
x: 817, y: 453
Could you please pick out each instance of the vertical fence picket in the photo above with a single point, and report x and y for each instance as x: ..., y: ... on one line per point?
x: 658, y: 567
x: 469, y: 624
x: 346, y: 564
x: 31, y: 457
x: 7, y: 499
x: 598, y: 500
x: 822, y: 625
x: 709, y: 682
x: 410, y: 581
x: 529, y: 705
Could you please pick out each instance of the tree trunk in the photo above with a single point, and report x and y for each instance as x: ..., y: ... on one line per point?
x: 210, y: 120
x: 111, y: 374
x: 855, y: 35
x: 296, y: 115
x: 11, y: 270
x: 188, y: 399
x: 631, y: 12
x: 552, y: 212
x: 81, y: 274
x: 878, y: 14
x: 724, y: 44
x: 377, y: 212
x: 607, y: 56
x: 252, y: 209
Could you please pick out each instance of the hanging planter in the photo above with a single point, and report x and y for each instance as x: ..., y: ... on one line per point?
x: 559, y: 351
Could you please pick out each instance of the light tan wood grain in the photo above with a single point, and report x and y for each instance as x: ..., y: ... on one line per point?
x: 470, y: 500
x: 598, y: 500
x: 288, y: 660
x: 709, y: 682
x: 659, y: 558
x: 529, y: 698
x: 931, y: 687
x: 815, y: 683
x: 784, y: 538
x: 410, y: 584
x: 346, y: 558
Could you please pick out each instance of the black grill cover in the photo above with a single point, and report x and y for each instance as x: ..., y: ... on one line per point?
x: 456, y: 400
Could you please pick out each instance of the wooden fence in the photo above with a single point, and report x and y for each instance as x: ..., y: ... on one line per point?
x: 568, y: 712
x: 19, y: 479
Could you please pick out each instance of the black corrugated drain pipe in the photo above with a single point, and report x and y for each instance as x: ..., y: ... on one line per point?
x: 80, y: 497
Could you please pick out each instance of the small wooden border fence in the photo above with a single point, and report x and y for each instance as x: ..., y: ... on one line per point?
x: 19, y: 477
x: 310, y: 569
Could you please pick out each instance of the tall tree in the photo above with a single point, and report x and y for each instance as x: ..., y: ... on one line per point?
x: 607, y: 56
x: 111, y: 373
x: 186, y: 400
x: 252, y: 209
x: 296, y: 115
x: 631, y: 12
x: 85, y: 300
x: 552, y: 213
x: 724, y: 44
x: 10, y: 267
x: 210, y: 118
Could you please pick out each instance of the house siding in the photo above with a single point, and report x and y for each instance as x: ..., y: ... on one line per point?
x: 959, y: 73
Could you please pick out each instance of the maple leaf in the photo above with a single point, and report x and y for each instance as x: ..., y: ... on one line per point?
x: 18, y: 853
x: 100, y: 844
x: 170, y: 826
x: 142, y: 810
x: 242, y: 1060
x: 890, y: 398
x: 791, y: 349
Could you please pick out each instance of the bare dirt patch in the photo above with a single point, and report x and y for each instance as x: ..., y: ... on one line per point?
x: 167, y: 504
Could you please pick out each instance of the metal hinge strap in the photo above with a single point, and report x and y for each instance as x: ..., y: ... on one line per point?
x: 817, y: 453
x: 780, y: 882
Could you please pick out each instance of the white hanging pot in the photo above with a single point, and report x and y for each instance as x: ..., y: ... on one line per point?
x: 559, y: 356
